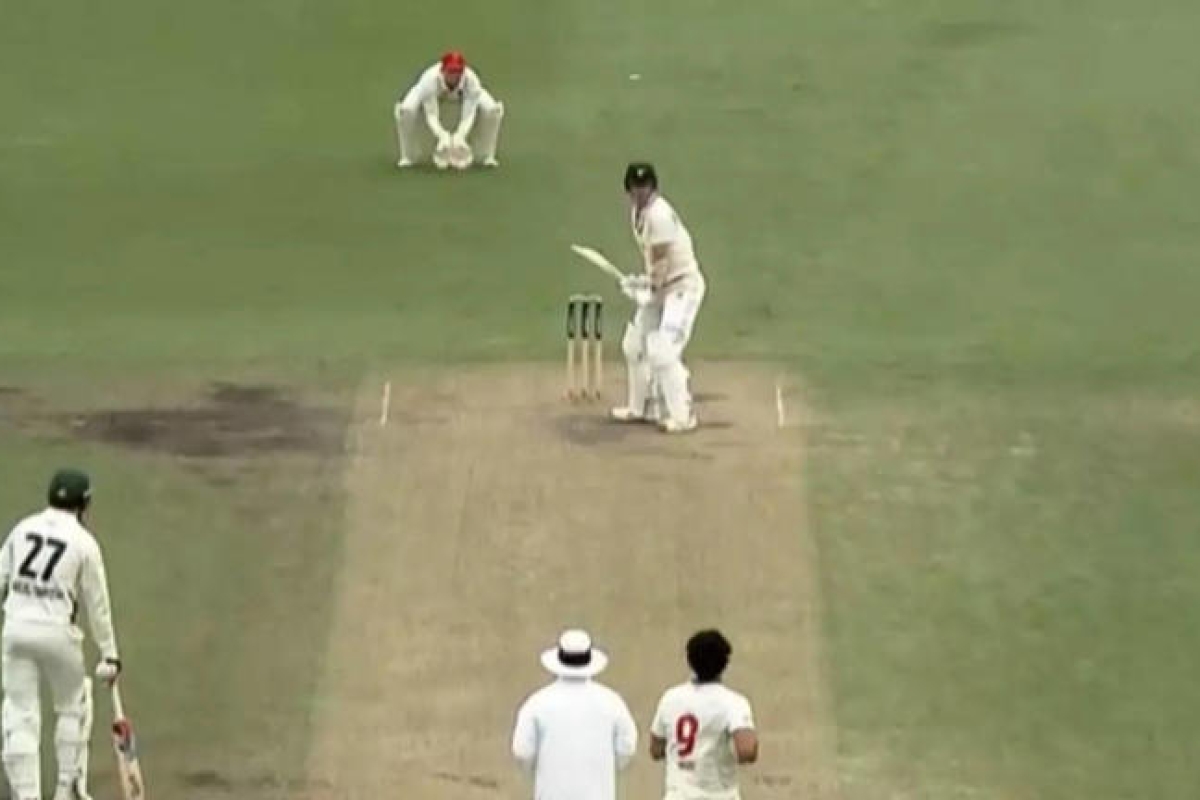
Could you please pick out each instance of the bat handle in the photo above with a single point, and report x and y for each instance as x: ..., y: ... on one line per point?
x: 118, y: 706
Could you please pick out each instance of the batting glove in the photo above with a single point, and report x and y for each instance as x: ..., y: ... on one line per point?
x: 108, y: 669
x: 637, y: 288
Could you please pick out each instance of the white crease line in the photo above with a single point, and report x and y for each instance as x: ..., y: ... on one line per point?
x: 385, y: 405
x: 780, y: 411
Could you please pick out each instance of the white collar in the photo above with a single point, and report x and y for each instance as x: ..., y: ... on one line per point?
x: 62, y: 512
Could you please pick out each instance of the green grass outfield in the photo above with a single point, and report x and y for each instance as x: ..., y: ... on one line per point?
x: 969, y: 227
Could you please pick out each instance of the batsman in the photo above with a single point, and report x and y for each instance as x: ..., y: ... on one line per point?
x: 50, y: 567
x: 668, y: 295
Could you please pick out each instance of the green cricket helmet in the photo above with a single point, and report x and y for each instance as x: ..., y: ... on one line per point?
x: 70, y: 489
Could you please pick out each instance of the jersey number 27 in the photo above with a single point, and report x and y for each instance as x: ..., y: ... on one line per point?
x: 38, y: 543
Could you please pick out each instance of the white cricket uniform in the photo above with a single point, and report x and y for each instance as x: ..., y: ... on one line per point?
x: 422, y: 103
x: 660, y: 330
x: 574, y: 735
x: 698, y: 720
x: 50, y: 567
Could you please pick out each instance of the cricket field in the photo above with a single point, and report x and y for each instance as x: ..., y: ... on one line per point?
x: 945, y: 503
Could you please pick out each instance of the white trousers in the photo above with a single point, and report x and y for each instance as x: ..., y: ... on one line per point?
x: 654, y: 343
x: 415, y: 141
x: 30, y: 651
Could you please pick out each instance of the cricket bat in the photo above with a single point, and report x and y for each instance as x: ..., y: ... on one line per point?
x: 125, y: 747
x: 597, y: 258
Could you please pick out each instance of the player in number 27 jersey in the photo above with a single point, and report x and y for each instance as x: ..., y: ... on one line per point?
x: 51, y: 569
x: 703, y: 729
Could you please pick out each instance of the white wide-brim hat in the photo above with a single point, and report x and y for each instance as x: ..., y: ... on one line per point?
x: 574, y: 657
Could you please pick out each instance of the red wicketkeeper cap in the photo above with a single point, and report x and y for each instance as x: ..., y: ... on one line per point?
x: 454, y: 61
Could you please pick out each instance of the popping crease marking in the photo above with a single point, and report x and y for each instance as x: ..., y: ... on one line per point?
x: 385, y: 403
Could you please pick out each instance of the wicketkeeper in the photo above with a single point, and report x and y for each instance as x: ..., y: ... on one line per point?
x: 419, y: 128
x: 50, y: 567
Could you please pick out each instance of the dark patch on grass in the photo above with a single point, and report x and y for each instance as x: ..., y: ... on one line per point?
x: 206, y: 779
x: 210, y: 780
x: 11, y: 391
x: 235, y: 420
x: 969, y: 33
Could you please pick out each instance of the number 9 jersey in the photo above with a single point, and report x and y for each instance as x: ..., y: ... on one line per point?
x: 49, y: 565
x: 698, y: 720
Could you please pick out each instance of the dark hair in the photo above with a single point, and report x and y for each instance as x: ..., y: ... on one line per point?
x: 708, y: 655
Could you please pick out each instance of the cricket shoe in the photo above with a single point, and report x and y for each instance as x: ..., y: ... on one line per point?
x: 76, y: 790
x: 404, y: 163
x: 627, y: 414
x: 491, y: 163
x: 679, y: 426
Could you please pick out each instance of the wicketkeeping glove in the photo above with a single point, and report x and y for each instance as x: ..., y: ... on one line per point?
x: 459, y: 155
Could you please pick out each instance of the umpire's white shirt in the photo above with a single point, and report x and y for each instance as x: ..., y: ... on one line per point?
x: 574, y: 735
